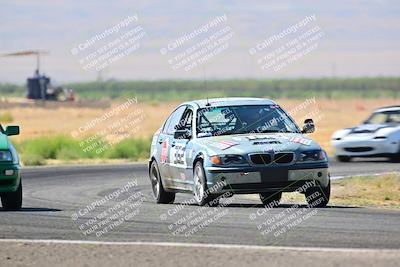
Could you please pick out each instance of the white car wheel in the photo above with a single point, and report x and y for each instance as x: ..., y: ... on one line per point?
x: 198, y: 185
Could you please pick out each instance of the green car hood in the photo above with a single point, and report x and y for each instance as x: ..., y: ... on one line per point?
x: 4, y: 142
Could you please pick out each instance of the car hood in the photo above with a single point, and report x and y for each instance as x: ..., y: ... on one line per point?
x: 369, y: 128
x: 3, y: 142
x: 252, y: 143
x: 366, y: 131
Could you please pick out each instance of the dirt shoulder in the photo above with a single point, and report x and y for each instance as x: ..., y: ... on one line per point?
x: 361, y: 191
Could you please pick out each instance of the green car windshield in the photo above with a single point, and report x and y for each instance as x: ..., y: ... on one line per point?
x: 215, y: 121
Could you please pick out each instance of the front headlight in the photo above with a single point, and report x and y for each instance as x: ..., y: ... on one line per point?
x: 5, y: 156
x: 312, y: 155
x: 222, y: 160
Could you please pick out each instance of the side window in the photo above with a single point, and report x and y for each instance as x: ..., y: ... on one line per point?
x: 167, y: 122
x: 173, y: 120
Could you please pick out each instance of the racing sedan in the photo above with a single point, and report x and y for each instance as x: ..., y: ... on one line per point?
x: 10, y: 178
x: 219, y: 147
x: 378, y: 136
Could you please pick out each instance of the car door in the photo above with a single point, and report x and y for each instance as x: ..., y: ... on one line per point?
x: 164, y: 143
x: 180, y: 152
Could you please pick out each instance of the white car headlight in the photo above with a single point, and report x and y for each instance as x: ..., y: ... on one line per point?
x: 312, y: 155
x: 5, y: 156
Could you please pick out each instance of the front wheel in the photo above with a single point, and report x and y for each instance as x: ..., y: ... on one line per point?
x: 395, y: 157
x: 12, y: 200
x: 160, y: 195
x: 318, y: 197
x: 201, y: 194
x: 343, y: 158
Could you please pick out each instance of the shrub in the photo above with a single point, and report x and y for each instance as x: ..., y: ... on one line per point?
x: 32, y: 160
x: 130, y: 149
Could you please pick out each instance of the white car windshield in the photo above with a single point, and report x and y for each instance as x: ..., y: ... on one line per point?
x: 214, y: 121
x: 384, y: 117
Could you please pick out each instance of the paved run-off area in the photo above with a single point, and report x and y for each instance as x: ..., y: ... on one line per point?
x: 43, y: 253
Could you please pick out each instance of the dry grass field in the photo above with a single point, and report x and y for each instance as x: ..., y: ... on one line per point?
x: 49, y: 120
x: 361, y: 191
x: 379, y: 191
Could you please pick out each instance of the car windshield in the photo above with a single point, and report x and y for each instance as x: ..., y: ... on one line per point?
x: 384, y: 117
x: 214, y: 121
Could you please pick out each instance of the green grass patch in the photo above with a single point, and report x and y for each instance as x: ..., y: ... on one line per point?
x: 37, y: 151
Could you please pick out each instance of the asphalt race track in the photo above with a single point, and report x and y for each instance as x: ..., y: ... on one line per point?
x: 55, y: 196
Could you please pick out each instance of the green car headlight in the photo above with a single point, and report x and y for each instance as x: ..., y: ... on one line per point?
x: 223, y: 160
x: 5, y: 156
x: 312, y: 155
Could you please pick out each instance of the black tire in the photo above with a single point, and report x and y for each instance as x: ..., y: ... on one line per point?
x: 343, y: 158
x: 160, y: 195
x: 318, y: 197
x: 395, y: 157
x: 200, y: 187
x: 271, y: 199
x: 213, y: 201
x: 12, y: 200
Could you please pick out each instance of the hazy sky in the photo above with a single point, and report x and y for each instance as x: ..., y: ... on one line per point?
x: 359, y: 38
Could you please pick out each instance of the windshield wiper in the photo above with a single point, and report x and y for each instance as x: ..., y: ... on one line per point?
x: 275, y: 131
x: 271, y: 131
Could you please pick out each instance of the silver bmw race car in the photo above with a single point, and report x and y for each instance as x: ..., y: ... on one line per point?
x: 220, y: 147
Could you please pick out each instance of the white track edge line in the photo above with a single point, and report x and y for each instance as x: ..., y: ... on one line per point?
x: 195, y: 245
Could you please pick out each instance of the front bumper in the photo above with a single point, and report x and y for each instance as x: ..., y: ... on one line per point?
x: 9, y: 182
x: 247, y: 180
x: 365, y: 147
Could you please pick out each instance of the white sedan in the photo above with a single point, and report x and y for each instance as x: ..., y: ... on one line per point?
x: 378, y: 136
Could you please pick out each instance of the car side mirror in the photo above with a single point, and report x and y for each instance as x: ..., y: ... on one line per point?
x: 308, y: 127
x: 12, y: 130
x: 183, y: 134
